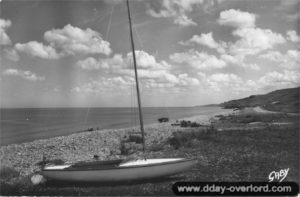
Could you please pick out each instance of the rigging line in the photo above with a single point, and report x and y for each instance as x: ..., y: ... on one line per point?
x: 109, y: 22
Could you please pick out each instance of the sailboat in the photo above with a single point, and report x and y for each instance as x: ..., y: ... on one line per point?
x: 119, y: 170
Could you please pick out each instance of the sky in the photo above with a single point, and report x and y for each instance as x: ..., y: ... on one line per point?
x: 189, y: 52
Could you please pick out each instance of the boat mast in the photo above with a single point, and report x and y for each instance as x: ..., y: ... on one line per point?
x: 136, y: 78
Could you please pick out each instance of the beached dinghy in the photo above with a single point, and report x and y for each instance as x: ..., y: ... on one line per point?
x: 117, y: 170
x: 114, y: 171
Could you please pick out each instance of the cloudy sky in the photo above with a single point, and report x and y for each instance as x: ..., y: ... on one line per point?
x: 189, y: 52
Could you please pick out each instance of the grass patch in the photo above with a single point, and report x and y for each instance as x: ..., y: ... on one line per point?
x: 256, y: 117
x: 131, y: 143
x: 11, y: 183
x: 136, y: 138
x: 8, y: 172
x: 190, y: 138
x: 156, y: 147
x: 188, y: 123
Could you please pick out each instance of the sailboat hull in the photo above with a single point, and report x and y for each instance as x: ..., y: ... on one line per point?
x: 152, y: 168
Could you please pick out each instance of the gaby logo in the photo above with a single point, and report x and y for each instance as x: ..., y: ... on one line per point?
x: 278, y: 176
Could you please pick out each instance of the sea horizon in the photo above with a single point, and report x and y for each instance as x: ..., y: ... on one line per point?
x: 20, y: 125
x: 62, y: 107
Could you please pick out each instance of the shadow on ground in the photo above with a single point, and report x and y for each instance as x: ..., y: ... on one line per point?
x: 61, y: 184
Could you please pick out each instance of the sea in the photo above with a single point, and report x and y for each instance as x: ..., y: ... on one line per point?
x: 20, y: 125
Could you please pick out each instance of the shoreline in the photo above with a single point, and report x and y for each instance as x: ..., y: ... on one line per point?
x: 70, y: 148
x: 222, y: 151
x: 206, y: 119
x: 29, y: 126
x: 81, y: 146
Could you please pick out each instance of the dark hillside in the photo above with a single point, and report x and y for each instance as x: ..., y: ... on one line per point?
x: 284, y: 100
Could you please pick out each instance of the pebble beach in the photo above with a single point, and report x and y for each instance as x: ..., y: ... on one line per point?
x: 84, y: 145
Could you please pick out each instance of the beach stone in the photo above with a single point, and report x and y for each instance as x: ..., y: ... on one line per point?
x: 37, y: 179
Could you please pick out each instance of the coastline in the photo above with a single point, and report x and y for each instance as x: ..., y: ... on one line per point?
x: 20, y: 126
x: 82, y: 146
x: 221, y: 149
x: 70, y: 148
x: 105, y: 143
x: 206, y: 119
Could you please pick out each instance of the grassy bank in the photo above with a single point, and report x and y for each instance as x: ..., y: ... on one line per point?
x: 284, y: 100
x: 240, y: 147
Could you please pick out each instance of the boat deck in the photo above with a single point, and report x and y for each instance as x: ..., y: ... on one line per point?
x: 96, y: 164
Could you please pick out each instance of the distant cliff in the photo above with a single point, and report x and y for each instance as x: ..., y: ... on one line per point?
x: 284, y: 100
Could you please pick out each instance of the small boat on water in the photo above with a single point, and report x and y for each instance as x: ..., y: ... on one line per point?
x: 120, y: 170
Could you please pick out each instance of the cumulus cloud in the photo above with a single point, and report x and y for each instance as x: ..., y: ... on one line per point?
x: 12, y: 54
x: 152, y: 73
x: 160, y: 76
x: 254, y: 40
x: 72, y: 40
x: 252, y: 66
x: 186, y: 80
x: 37, y: 49
x: 219, y: 82
x: 289, y: 60
x: 183, y: 20
x: 277, y: 80
x: 118, y: 62
x: 176, y: 9
x: 146, y: 61
x: 175, y: 82
x: 206, y: 40
x: 5, y: 41
x: 91, y: 63
x: 198, y: 60
x: 66, y: 41
x: 173, y: 7
x: 239, y: 61
x: 28, y: 75
x: 237, y: 18
x: 251, y: 39
x: 231, y: 59
x: 148, y: 79
x: 292, y: 36
x: 105, y: 84
x: 4, y: 38
x: 226, y: 79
